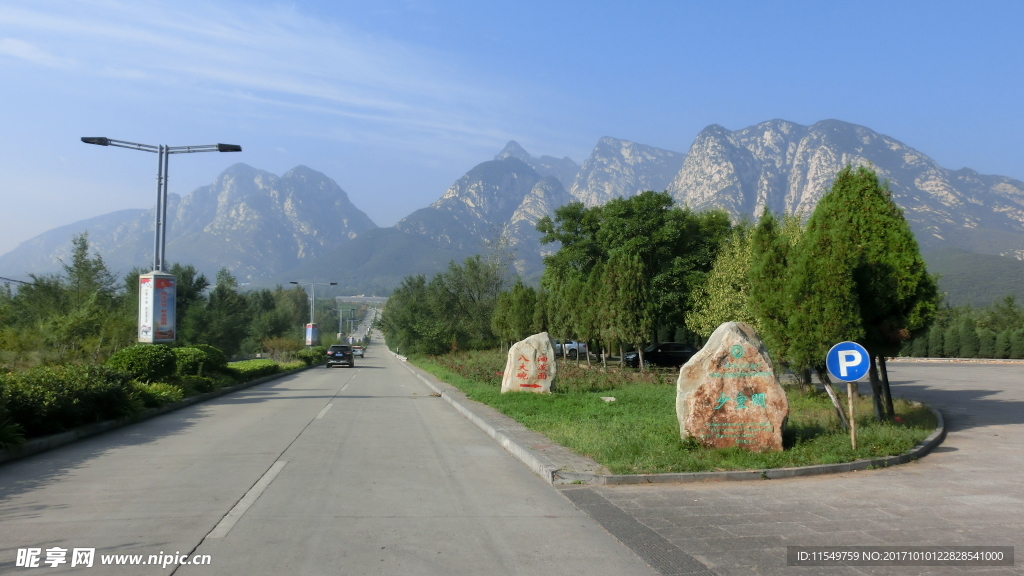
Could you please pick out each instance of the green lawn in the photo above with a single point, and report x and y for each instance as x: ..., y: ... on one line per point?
x: 639, y: 433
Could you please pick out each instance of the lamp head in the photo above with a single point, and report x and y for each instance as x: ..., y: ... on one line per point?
x: 99, y: 141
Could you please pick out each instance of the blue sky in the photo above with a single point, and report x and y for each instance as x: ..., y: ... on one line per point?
x: 395, y: 100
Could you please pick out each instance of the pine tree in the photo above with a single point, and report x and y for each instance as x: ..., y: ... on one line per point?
x: 822, y: 293
x: 771, y: 250
x: 919, y: 348
x: 951, y: 342
x: 986, y: 343
x: 1002, y: 344
x: 968, y: 338
x: 1017, y: 343
x: 935, y: 342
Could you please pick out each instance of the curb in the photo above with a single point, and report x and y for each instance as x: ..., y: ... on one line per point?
x: 540, y: 465
x: 912, y: 359
x: 551, y: 474
x: 45, y: 443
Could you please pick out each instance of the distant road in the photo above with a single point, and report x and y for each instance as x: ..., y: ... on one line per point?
x: 362, y: 299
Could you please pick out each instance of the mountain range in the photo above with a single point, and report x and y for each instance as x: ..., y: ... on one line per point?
x: 302, y: 225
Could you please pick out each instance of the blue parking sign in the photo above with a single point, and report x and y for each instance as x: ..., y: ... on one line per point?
x: 847, y: 361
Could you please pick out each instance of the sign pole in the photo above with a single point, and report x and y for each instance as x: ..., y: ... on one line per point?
x: 849, y: 362
x: 853, y: 422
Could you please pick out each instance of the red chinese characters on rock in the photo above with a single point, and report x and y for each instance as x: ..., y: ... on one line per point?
x: 542, y: 367
x: 528, y: 368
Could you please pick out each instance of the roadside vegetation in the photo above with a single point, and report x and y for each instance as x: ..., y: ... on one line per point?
x: 50, y: 399
x: 638, y: 433
x: 68, y: 355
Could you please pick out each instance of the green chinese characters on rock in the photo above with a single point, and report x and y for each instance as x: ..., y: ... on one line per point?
x: 727, y: 395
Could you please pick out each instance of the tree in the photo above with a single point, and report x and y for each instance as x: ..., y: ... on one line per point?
x: 951, y: 342
x: 725, y: 294
x: 986, y: 343
x: 629, y: 299
x: 968, y: 338
x: 1001, y: 347
x: 857, y: 227
x: 223, y: 321
x: 771, y: 250
x: 935, y: 342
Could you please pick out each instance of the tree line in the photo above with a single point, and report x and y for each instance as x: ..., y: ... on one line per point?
x: 85, y: 313
x: 994, y: 331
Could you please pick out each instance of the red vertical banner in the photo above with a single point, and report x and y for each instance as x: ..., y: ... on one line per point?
x: 157, y: 313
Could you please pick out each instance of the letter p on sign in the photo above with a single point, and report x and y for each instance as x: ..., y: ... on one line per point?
x: 847, y: 361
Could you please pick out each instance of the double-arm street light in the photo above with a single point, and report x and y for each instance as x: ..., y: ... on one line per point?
x: 312, y: 305
x: 163, y: 154
x: 157, y: 289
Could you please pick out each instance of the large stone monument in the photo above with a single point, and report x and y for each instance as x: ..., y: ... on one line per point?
x: 530, y: 366
x: 728, y: 394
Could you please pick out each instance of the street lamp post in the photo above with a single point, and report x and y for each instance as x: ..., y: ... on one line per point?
x: 157, y: 289
x: 311, y: 335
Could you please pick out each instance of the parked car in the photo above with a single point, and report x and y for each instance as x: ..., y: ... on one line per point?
x: 357, y: 351
x: 572, y: 348
x: 340, y: 354
x: 668, y: 354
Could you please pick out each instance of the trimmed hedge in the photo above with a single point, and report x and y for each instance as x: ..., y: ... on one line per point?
x: 249, y: 369
x: 216, y: 359
x: 146, y: 362
x: 199, y: 360
x: 53, y: 399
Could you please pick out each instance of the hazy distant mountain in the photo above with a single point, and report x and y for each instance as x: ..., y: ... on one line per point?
x: 788, y: 167
x: 620, y: 169
x: 562, y: 169
x: 252, y: 222
x: 301, y: 226
x: 497, y: 200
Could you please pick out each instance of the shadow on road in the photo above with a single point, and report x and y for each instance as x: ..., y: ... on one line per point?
x: 42, y: 469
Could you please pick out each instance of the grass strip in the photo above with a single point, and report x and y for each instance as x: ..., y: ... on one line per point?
x: 639, y: 432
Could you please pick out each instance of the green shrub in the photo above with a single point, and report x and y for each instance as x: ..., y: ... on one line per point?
x: 198, y: 384
x: 314, y: 355
x: 157, y: 393
x: 199, y: 360
x: 249, y: 369
x: 146, y: 362
x: 216, y: 359
x: 52, y: 399
x: 190, y: 361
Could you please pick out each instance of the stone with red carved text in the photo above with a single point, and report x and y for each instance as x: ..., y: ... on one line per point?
x: 728, y: 395
x: 530, y: 366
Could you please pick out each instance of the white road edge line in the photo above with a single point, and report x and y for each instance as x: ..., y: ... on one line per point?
x: 228, y: 522
x: 324, y: 411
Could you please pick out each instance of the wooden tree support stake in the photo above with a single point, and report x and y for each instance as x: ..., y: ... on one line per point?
x: 835, y: 402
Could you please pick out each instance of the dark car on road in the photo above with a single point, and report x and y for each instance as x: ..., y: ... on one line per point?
x: 667, y: 354
x: 340, y: 354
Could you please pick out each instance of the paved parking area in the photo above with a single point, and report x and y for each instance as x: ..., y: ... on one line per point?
x: 969, y: 491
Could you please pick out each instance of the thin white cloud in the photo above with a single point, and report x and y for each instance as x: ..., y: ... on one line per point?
x: 277, y: 56
x: 23, y: 50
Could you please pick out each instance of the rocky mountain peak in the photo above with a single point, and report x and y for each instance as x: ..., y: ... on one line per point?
x: 514, y: 150
x: 620, y: 168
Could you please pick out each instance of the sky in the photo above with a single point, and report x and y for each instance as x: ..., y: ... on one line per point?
x: 395, y: 100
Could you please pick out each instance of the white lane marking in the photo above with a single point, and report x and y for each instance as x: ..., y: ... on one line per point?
x: 228, y: 522
x: 324, y: 411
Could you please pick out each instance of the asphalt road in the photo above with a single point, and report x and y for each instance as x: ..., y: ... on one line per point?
x: 329, y: 471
